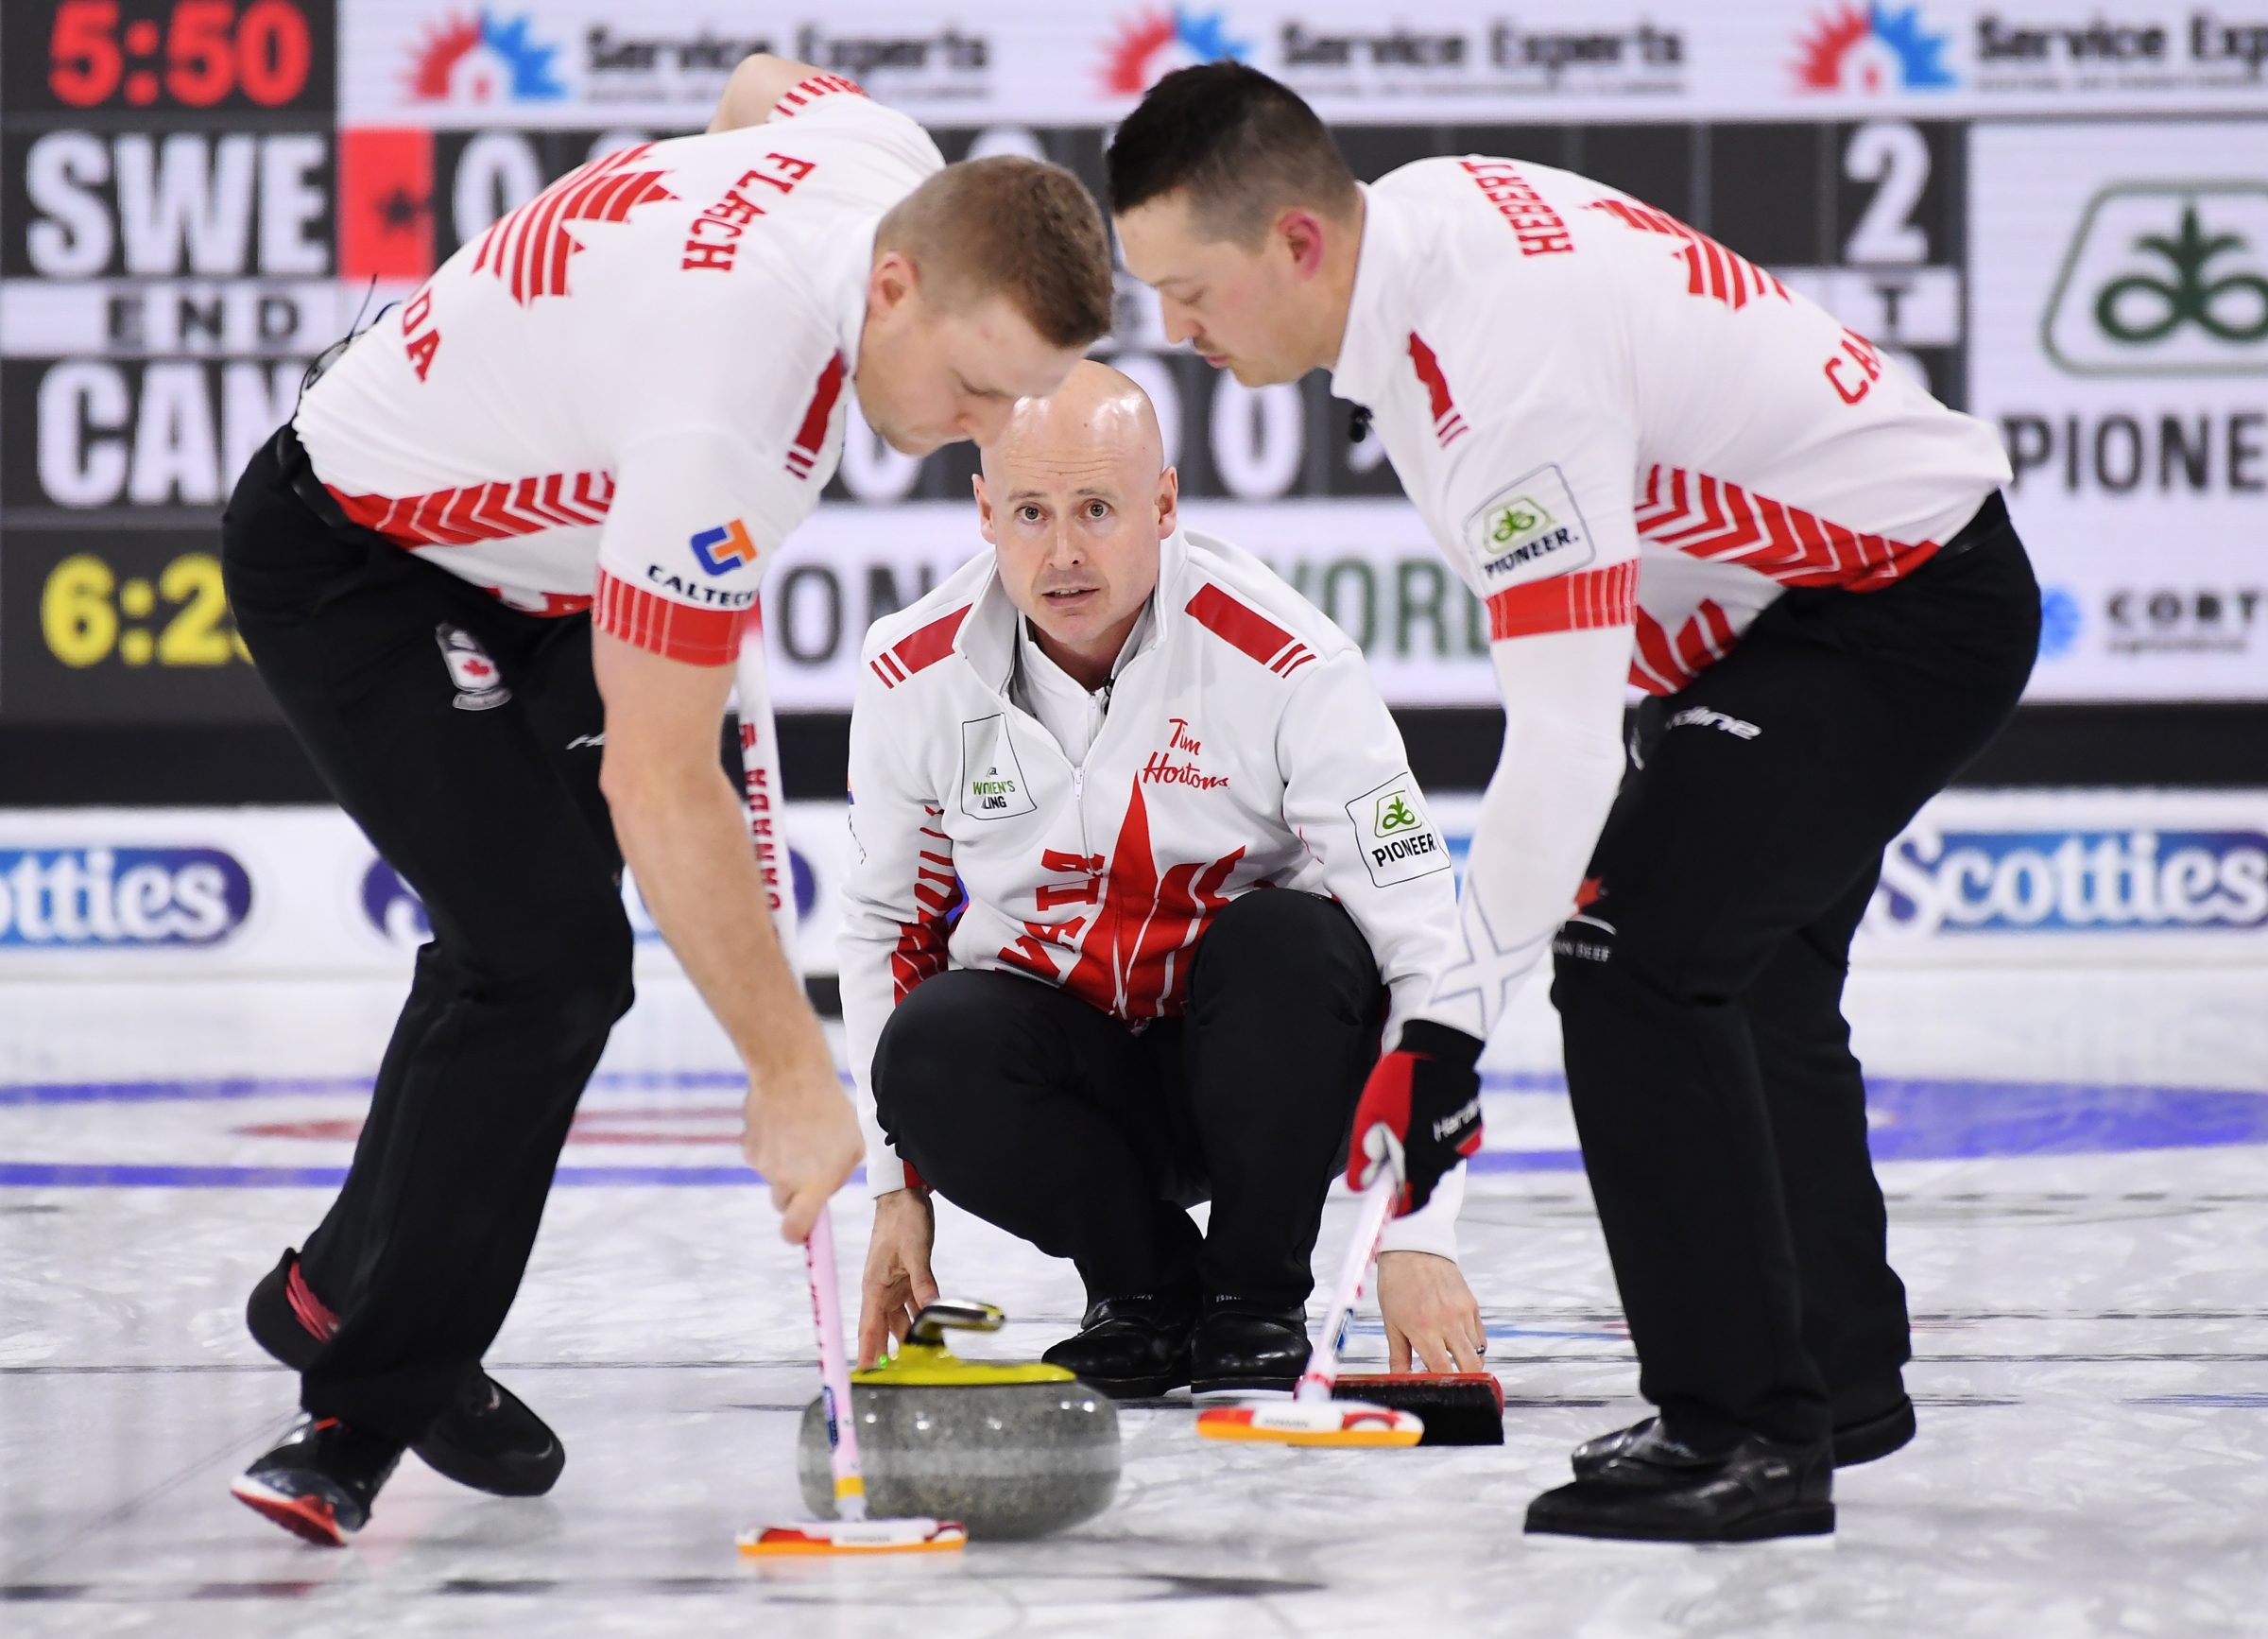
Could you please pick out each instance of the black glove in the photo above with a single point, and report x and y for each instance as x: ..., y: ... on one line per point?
x: 1421, y: 1112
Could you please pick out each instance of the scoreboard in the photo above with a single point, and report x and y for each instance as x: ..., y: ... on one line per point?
x: 2059, y: 221
x: 166, y: 268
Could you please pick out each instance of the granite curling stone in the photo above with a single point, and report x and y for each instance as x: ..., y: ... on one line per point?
x: 1009, y: 1450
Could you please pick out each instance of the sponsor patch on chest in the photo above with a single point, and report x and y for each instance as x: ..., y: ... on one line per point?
x: 1528, y: 530
x: 992, y: 781
x: 1396, y: 836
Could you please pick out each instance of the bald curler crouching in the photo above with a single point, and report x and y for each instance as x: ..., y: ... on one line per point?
x: 1140, y: 879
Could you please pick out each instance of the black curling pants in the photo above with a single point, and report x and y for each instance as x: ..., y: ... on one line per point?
x: 1054, y: 1120
x: 483, y: 793
x: 1722, y: 1112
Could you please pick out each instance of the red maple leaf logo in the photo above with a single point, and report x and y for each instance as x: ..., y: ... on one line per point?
x: 530, y: 247
x: 1594, y: 889
x: 1134, y: 961
x: 1821, y: 68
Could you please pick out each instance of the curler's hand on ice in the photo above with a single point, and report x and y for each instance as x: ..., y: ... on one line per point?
x: 898, y: 1283
x: 1433, y: 1320
x: 1419, y: 1113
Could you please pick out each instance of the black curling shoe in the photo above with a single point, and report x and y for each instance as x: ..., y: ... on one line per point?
x: 1131, y: 1347
x: 1658, y: 1489
x: 1863, y: 1439
x: 1247, y: 1349
x: 487, y: 1439
x: 1873, y: 1426
x: 322, y: 1482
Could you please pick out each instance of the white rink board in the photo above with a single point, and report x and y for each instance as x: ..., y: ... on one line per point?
x: 147, y: 893
x: 2082, y: 878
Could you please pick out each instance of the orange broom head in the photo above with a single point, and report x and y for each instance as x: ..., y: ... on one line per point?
x: 1457, y: 1407
x: 806, y: 1537
x: 1314, y: 1423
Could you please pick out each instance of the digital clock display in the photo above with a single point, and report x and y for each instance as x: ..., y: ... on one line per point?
x: 171, y: 54
x: 126, y: 626
x: 167, y: 266
x: 90, y: 615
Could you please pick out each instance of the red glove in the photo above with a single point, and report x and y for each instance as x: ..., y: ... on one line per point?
x: 1421, y: 1112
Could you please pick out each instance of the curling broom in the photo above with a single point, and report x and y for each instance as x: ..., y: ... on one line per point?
x: 850, y: 1531
x: 1371, y: 1409
x: 1311, y: 1417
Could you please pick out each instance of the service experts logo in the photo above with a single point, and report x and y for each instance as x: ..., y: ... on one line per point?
x: 1155, y: 43
x: 1873, y: 48
x: 483, y: 60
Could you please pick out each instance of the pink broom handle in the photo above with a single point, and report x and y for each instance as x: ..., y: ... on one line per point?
x: 1362, y: 1250
x: 760, y: 792
x: 835, y: 1368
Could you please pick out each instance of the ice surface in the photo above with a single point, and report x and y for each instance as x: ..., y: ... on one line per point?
x: 2081, y: 1216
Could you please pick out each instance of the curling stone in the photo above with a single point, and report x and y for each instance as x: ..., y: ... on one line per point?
x: 1009, y: 1450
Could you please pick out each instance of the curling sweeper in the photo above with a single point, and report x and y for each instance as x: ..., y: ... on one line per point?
x: 1372, y: 1410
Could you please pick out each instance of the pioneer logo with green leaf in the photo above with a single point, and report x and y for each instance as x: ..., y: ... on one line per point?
x: 2164, y: 279
x: 1398, y: 842
x: 1527, y: 530
x: 1520, y: 519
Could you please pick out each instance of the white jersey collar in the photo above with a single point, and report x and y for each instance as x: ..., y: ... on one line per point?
x: 847, y: 268
x: 1365, y: 352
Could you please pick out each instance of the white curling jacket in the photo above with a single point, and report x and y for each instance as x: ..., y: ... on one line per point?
x: 1245, y: 746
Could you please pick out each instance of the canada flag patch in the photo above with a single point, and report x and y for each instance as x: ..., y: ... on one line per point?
x: 479, y: 685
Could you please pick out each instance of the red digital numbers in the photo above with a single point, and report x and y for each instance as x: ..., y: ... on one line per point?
x: 212, y: 49
x: 273, y: 52
x: 85, y: 61
x: 200, y: 64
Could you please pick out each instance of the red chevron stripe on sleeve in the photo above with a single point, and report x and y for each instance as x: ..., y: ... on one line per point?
x: 1654, y: 665
x: 674, y: 630
x: 1711, y: 518
x: 804, y: 454
x: 1663, y: 665
x: 475, y: 512
x: 529, y: 248
x: 1250, y: 631
x: 923, y: 948
x: 921, y: 650
x: 1448, y: 423
x: 1711, y: 270
x: 810, y: 91
x: 1579, y: 602
x: 921, y: 953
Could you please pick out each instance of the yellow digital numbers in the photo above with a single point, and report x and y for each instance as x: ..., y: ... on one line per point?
x: 88, y: 614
